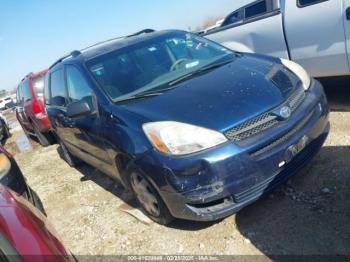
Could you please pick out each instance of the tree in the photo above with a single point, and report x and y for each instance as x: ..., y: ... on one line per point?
x: 209, y: 21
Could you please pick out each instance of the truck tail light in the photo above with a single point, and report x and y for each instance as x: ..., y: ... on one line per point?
x: 37, y: 110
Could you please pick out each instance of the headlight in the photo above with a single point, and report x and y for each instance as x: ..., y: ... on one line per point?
x: 299, y: 71
x: 180, y: 139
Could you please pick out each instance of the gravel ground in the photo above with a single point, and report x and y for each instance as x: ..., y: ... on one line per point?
x: 308, y: 215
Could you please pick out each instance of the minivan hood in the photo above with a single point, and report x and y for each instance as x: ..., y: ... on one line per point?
x: 223, y: 97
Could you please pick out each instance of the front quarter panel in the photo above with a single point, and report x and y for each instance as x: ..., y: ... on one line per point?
x: 123, y: 133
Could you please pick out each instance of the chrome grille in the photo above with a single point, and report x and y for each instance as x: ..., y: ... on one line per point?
x: 251, y: 127
x: 296, y: 99
x: 267, y: 120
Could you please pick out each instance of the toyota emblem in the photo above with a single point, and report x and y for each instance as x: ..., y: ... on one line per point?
x: 285, y: 112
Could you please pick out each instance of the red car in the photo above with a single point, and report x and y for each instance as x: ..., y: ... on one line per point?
x: 30, y: 111
x: 25, y: 234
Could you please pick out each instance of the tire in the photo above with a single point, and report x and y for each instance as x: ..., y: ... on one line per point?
x: 71, y: 160
x: 42, y: 138
x: 148, y: 198
x: 36, y: 201
x: 6, y: 133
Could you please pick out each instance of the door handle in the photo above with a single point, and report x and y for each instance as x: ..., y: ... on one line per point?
x: 348, y: 13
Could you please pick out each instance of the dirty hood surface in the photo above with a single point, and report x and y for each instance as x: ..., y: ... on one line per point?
x: 223, y: 97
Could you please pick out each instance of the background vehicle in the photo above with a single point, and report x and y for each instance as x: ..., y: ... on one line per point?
x: 12, y: 177
x: 10, y: 105
x: 4, y: 101
x: 195, y: 130
x: 313, y: 33
x: 24, y: 231
x: 4, y: 128
x: 30, y: 110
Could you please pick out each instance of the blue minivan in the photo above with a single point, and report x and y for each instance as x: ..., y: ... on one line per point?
x: 195, y: 130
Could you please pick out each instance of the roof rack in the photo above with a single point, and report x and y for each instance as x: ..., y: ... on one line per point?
x: 71, y: 54
x: 78, y: 52
x: 144, y: 31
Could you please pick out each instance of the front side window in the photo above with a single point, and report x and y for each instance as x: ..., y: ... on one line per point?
x: 58, y: 89
x: 78, y: 88
x: 255, y: 9
x: 232, y: 19
x: 26, y: 90
x: 148, y: 65
x: 20, y: 93
x: 38, y: 84
x: 17, y: 94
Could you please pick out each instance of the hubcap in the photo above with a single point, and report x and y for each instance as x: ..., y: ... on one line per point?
x: 145, y: 194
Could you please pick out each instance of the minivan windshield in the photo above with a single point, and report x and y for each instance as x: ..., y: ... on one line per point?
x: 149, y: 65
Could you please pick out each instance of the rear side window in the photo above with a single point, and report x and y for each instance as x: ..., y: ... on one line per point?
x: 18, y: 97
x: 46, y: 89
x: 38, y: 84
x: 78, y: 88
x: 58, y: 89
x: 302, y: 3
x: 26, y: 90
x: 256, y: 9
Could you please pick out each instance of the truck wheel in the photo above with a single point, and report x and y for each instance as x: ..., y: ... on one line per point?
x: 149, y: 199
x: 36, y: 201
x: 7, y: 133
x: 67, y: 156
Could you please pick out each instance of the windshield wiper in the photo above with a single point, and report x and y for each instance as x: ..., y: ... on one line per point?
x: 174, y: 82
x: 199, y: 71
x: 138, y: 96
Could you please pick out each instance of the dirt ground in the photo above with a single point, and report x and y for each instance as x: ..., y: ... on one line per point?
x: 308, y: 215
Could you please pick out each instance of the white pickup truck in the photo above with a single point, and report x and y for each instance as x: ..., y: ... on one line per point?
x: 313, y: 33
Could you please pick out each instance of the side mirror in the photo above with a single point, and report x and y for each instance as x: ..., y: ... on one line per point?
x: 78, y: 109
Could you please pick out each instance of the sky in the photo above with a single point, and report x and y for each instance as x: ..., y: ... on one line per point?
x: 35, y: 33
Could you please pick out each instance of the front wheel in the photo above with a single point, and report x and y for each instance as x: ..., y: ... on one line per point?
x: 149, y: 199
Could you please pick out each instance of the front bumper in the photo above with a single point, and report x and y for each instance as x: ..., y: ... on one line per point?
x: 218, y: 182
